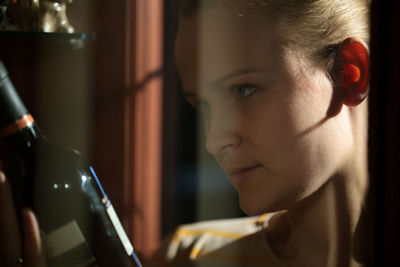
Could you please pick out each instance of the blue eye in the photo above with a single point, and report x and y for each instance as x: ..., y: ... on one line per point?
x: 245, y: 90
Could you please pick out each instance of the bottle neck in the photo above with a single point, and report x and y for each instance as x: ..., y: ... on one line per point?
x: 22, y: 132
x: 16, y: 123
x: 26, y: 121
x: 12, y: 108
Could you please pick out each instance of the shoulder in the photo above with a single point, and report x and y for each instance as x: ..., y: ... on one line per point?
x: 228, y: 242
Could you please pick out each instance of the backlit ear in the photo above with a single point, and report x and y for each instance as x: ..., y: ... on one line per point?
x: 351, y: 74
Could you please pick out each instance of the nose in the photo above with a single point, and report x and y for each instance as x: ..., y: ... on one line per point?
x: 222, y: 132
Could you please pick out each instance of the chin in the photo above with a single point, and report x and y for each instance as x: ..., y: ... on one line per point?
x: 253, y: 206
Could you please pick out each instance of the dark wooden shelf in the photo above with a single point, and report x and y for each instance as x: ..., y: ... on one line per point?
x: 48, y: 35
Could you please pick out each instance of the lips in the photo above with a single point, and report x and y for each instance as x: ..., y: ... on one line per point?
x: 241, y: 175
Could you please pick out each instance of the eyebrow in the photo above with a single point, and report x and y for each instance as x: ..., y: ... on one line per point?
x: 233, y: 74
x: 218, y: 82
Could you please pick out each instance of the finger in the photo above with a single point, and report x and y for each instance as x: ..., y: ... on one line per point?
x: 10, y: 241
x: 33, y: 247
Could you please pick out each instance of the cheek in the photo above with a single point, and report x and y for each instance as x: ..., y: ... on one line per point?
x: 295, y: 141
x: 292, y: 110
x: 314, y: 146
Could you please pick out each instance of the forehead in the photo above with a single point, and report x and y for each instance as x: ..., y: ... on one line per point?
x: 213, y: 44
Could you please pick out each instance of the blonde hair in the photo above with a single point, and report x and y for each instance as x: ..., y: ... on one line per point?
x: 315, y: 26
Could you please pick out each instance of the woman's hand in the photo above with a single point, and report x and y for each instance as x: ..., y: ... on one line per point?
x: 18, y: 247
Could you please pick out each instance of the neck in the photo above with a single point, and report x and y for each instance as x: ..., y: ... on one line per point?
x: 321, y: 229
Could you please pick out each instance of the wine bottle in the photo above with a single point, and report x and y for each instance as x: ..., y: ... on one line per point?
x: 78, y: 224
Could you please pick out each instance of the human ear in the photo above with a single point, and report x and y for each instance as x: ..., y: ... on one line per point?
x: 350, y: 75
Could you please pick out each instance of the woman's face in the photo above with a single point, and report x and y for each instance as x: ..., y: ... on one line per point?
x: 265, y: 112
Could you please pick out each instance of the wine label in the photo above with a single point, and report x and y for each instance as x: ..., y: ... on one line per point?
x: 120, y: 230
x: 67, y: 246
